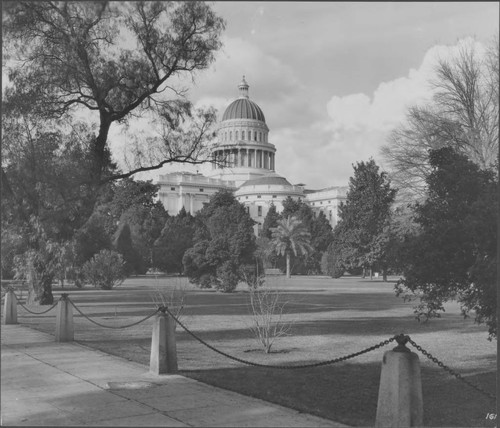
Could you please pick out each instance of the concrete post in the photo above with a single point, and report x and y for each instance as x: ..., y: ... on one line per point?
x: 64, y: 320
x: 163, y: 357
x: 400, y: 392
x: 10, y: 308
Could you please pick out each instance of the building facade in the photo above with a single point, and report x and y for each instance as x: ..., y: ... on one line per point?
x: 243, y: 160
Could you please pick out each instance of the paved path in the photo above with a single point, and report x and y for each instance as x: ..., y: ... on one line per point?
x: 65, y: 384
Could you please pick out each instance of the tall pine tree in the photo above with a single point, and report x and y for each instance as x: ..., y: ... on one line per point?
x: 362, y: 218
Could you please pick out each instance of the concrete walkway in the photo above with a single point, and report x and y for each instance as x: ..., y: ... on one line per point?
x: 67, y: 384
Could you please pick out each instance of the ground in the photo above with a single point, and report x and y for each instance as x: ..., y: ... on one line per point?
x: 330, y: 318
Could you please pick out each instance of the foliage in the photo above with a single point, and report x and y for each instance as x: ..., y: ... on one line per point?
x: 331, y: 264
x: 462, y: 114
x: 321, y: 235
x: 176, y: 237
x: 38, y: 263
x: 290, y: 237
x: 358, y: 236
x: 69, y: 57
x: 267, y: 315
x: 123, y: 245
x: 105, y: 269
x: 270, y: 221
x: 454, y: 255
x: 224, y: 244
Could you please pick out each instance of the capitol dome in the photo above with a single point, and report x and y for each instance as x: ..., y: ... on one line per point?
x: 243, y: 108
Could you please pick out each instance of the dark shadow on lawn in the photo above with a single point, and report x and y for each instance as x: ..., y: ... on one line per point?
x: 348, y: 392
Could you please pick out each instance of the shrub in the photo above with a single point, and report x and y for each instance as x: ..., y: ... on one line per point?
x: 105, y: 270
x: 331, y: 265
x: 267, y: 314
x: 227, y: 277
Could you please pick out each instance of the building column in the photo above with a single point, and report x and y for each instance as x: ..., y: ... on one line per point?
x: 248, y: 157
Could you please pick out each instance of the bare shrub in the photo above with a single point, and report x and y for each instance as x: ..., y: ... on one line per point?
x: 267, y: 316
x: 174, y: 298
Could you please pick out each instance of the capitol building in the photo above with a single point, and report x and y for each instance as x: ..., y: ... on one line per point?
x: 244, y: 161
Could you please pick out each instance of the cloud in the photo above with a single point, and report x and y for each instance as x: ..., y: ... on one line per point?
x: 358, y: 124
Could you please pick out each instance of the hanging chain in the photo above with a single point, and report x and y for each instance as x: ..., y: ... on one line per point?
x: 30, y: 311
x: 111, y: 326
x: 302, y: 366
x: 450, y: 371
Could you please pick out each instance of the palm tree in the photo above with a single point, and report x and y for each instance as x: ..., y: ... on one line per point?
x: 290, y: 236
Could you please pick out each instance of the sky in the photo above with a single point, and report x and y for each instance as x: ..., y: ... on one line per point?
x: 333, y: 78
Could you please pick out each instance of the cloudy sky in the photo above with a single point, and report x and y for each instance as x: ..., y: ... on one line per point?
x: 333, y: 78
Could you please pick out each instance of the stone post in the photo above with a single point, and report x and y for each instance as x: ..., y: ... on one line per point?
x: 163, y: 359
x: 10, y: 308
x: 64, y: 320
x: 400, y: 392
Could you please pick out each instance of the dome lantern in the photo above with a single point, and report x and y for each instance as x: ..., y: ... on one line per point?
x: 243, y: 87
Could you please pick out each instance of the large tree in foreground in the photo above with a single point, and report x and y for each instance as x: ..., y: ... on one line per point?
x: 454, y: 255
x: 109, y: 63
x: 113, y: 60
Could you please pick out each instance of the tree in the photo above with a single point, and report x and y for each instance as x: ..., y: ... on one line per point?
x: 70, y: 56
x: 462, y: 114
x: 358, y: 235
x: 270, y: 221
x: 454, y: 255
x: 319, y: 228
x: 109, y: 62
x: 224, y: 244
x: 176, y: 237
x: 290, y: 236
x: 124, y: 246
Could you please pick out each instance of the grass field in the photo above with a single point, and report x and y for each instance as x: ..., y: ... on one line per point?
x: 330, y: 318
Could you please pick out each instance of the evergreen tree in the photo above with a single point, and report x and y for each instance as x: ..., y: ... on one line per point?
x: 454, y: 255
x: 270, y: 221
x: 123, y: 245
x: 362, y: 218
x: 176, y: 237
x: 224, y: 244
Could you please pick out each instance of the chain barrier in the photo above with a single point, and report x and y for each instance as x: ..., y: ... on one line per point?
x: 284, y: 367
x: 450, y: 371
x: 30, y: 311
x: 111, y: 326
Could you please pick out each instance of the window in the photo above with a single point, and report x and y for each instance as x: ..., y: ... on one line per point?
x: 242, y: 135
x: 321, y: 203
x: 230, y: 135
x: 260, y: 136
x: 172, y: 188
x: 201, y: 190
x: 255, y: 135
x: 259, y: 211
x: 259, y: 229
x: 236, y: 135
x: 259, y: 196
x: 249, y: 135
x: 274, y: 196
x: 329, y: 202
x: 246, y: 197
x: 248, y: 209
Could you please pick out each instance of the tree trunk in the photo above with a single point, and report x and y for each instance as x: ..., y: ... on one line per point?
x: 364, y: 272
x: 371, y: 273
x: 40, y: 290
x: 288, y: 265
x: 384, y: 274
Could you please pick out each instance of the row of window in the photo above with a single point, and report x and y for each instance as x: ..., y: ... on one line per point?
x: 258, y: 197
x: 321, y: 202
x: 173, y: 189
x: 245, y: 135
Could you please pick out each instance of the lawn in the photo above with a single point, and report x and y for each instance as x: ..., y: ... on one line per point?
x: 330, y: 318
